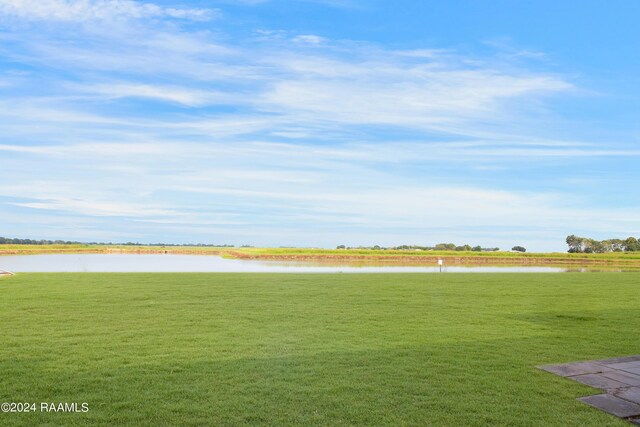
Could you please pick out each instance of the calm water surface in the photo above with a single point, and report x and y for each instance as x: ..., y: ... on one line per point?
x: 165, y: 263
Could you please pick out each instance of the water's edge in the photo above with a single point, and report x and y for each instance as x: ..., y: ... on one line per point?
x: 174, y: 263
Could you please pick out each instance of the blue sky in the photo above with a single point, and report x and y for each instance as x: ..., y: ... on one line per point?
x: 318, y: 123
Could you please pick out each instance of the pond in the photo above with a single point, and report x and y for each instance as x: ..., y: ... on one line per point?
x: 165, y: 263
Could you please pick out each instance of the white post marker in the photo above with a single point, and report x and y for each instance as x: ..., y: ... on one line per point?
x: 440, y: 264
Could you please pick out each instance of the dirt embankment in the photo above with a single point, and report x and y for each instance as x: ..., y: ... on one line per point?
x: 178, y: 251
x: 50, y: 251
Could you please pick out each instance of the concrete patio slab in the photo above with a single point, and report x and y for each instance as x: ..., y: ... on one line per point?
x: 615, y: 360
x: 619, y: 377
x: 599, y: 381
x: 613, y: 405
x: 635, y: 371
x: 624, y: 377
x: 632, y: 394
x: 580, y: 368
x: 624, y: 366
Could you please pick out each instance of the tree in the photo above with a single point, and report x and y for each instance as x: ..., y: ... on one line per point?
x: 463, y: 248
x: 575, y: 243
x: 613, y: 245
x: 445, y: 247
x: 595, y: 246
x: 518, y: 249
x: 586, y: 245
x: 631, y: 244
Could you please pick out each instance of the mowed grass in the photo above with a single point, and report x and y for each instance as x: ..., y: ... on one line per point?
x: 324, y: 349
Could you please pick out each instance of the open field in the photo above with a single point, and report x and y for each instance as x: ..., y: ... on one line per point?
x: 625, y: 260
x: 270, y: 349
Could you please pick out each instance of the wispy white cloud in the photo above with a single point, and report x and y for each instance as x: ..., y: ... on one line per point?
x: 334, y: 84
x: 95, y: 208
x: 176, y: 94
x: 392, y: 152
x: 425, y: 100
x: 334, y: 3
x: 303, y: 185
x: 95, y: 10
x: 309, y: 38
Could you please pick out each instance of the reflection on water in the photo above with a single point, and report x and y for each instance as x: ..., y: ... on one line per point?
x: 132, y: 263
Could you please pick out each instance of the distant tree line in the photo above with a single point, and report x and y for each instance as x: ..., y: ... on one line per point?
x: 587, y: 245
x: 438, y: 247
x: 9, y: 241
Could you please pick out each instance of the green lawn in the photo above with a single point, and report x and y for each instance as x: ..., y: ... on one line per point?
x: 339, y: 349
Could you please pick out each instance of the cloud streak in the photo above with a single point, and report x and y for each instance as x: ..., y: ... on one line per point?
x: 94, y: 10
